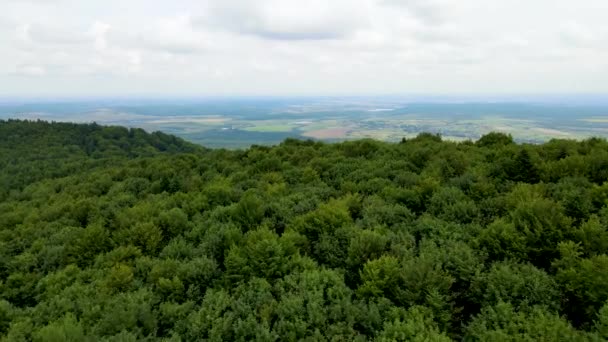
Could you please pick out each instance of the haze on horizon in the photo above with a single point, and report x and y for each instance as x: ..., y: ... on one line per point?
x: 288, y: 47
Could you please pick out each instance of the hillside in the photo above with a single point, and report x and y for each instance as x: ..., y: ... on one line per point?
x: 35, y: 150
x: 114, y: 234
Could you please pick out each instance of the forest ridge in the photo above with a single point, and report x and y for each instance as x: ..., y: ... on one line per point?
x: 116, y: 234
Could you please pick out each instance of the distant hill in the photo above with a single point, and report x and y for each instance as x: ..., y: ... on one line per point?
x: 32, y: 150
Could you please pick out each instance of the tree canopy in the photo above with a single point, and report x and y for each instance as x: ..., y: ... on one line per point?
x: 115, y: 234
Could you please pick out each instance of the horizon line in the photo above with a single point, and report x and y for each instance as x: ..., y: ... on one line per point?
x: 396, y: 96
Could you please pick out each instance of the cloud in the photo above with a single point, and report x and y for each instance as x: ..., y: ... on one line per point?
x: 36, y: 2
x: 174, y: 35
x: 39, y: 34
x: 577, y: 35
x: 5, y: 22
x: 29, y: 70
x: 426, y: 11
x: 289, y: 46
x: 286, y: 19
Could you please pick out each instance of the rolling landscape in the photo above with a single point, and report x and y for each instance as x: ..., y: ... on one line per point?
x: 241, y: 122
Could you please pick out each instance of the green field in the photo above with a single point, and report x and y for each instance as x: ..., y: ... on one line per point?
x: 270, y: 128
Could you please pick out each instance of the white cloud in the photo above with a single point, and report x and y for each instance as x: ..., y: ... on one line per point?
x: 287, y: 19
x: 316, y: 46
x: 578, y: 35
x: 30, y: 70
x: 427, y: 11
x: 173, y: 35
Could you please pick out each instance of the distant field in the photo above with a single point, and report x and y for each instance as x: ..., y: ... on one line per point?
x: 597, y: 120
x: 270, y: 128
x: 237, y: 123
x: 330, y: 133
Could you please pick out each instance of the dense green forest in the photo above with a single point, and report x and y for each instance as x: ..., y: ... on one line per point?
x: 115, y: 234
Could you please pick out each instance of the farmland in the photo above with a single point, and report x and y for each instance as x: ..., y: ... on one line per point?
x: 238, y: 123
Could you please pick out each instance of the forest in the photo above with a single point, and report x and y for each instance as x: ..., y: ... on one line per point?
x: 116, y: 234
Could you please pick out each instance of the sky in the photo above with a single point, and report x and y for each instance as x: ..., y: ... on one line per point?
x: 295, y: 47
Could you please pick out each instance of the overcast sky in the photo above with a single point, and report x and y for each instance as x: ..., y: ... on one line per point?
x: 302, y: 47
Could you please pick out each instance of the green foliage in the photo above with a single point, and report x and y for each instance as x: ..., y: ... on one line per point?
x: 414, y: 325
x: 583, y: 281
x: 64, y: 330
x: 495, y: 139
x: 522, y: 285
x: 114, y: 234
x: 543, y: 224
x: 119, y: 278
x: 501, y: 240
x: 503, y: 323
x: 601, y: 323
x: 452, y: 204
x: 6, y: 315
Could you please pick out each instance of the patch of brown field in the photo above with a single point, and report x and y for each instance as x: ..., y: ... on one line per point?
x: 329, y: 133
x: 189, y: 119
x: 551, y: 131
